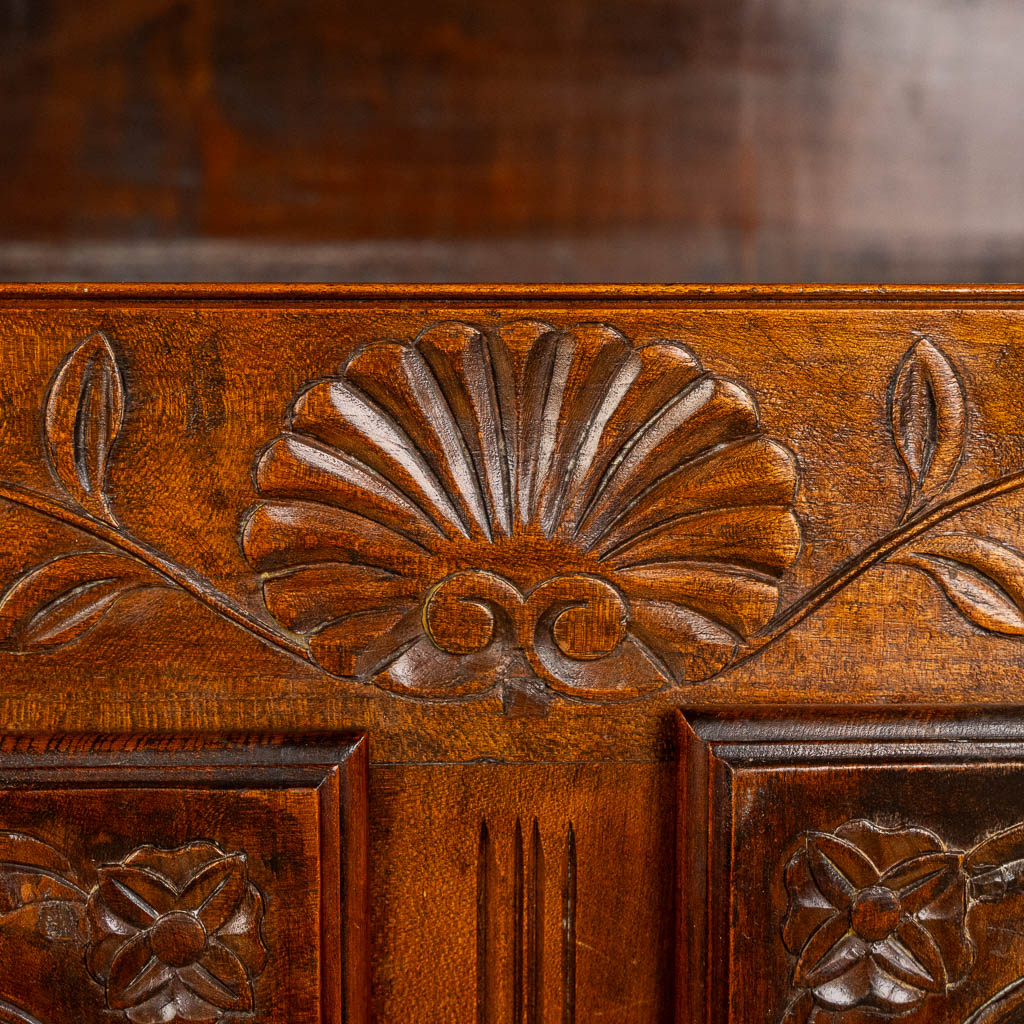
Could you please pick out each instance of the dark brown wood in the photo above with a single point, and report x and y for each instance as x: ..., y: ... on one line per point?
x: 183, y: 878
x: 474, y: 140
x: 852, y: 865
x: 506, y: 533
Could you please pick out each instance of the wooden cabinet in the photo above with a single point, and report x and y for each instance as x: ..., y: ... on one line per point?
x: 525, y: 655
x: 183, y: 878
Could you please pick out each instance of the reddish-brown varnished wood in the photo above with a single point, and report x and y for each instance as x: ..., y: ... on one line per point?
x: 851, y: 865
x: 478, y: 140
x: 505, y: 533
x: 185, y: 878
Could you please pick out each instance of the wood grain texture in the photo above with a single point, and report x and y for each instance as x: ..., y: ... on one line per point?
x: 184, y: 878
x: 851, y: 866
x: 553, y: 882
x: 506, y: 532
x: 549, y: 483
x: 663, y: 140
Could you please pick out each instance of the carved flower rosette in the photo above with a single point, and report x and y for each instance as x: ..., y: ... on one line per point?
x: 168, y: 936
x: 881, y: 924
x: 174, y: 935
x: 563, y: 505
x: 876, y: 919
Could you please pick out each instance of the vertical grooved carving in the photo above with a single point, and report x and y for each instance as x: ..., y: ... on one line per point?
x: 510, y: 925
x: 535, y: 969
x: 569, y: 928
x: 518, y: 924
x: 483, y: 1002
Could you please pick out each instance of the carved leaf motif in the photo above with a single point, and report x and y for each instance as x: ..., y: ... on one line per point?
x: 1004, y: 846
x: 84, y: 410
x: 33, y: 872
x: 11, y: 1014
x: 58, y: 601
x: 929, y: 420
x: 983, y: 580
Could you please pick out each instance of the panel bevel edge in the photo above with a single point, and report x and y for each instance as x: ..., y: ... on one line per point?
x: 704, y: 869
x: 354, y: 853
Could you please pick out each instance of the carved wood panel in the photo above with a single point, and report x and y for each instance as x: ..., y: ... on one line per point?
x: 182, y: 880
x: 508, y: 508
x: 852, y: 867
x: 506, y: 533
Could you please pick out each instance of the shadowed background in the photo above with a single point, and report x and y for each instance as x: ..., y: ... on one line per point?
x: 616, y: 140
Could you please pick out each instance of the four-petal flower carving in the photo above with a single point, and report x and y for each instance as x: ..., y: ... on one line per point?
x: 174, y: 935
x: 876, y: 918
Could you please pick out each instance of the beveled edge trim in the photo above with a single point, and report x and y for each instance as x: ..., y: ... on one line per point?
x: 705, y: 294
x: 332, y: 765
x: 716, y: 742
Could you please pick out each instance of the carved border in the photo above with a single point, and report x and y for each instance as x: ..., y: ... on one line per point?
x: 443, y: 441
x: 869, y: 295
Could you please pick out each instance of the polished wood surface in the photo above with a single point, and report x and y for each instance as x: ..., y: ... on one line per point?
x: 854, y: 865
x: 504, y: 534
x: 583, y: 140
x: 183, y: 878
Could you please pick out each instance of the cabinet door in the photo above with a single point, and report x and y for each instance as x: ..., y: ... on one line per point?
x: 183, y: 878
x: 853, y: 867
x: 390, y: 596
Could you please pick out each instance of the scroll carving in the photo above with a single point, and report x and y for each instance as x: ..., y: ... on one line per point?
x: 879, y: 920
x: 476, y: 506
x: 171, y: 936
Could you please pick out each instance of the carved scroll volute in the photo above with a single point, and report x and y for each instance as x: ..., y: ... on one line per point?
x: 573, y: 633
x: 463, y: 613
x: 566, y: 620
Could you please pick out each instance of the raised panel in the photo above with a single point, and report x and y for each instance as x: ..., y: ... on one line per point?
x: 182, y: 880
x: 850, y: 867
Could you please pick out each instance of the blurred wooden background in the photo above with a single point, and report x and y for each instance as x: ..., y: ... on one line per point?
x: 618, y: 140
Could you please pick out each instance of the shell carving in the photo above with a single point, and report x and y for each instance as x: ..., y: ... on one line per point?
x: 607, y: 517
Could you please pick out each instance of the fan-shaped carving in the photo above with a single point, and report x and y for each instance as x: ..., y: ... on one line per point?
x: 612, y: 513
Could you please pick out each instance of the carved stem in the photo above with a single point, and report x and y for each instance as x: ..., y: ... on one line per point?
x: 877, y: 552
x: 176, y: 574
